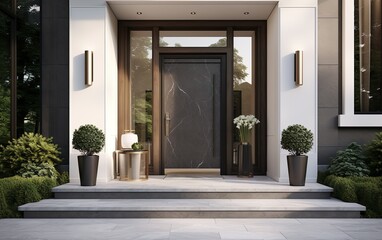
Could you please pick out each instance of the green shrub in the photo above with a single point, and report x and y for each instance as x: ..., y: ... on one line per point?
x: 28, y: 156
x: 373, y: 152
x: 297, y: 139
x: 370, y: 195
x: 63, y: 178
x: 44, y: 186
x: 343, y: 188
x: 4, y: 210
x: 349, y: 162
x: 16, y: 191
x: 366, y: 191
x: 374, y: 180
x: 322, y: 176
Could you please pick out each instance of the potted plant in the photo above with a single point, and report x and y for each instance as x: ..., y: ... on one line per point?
x: 298, y: 140
x: 245, y: 123
x: 89, y: 140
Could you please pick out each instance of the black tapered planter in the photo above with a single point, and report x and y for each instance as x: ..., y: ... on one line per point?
x: 245, y: 167
x: 297, y: 169
x: 88, y: 167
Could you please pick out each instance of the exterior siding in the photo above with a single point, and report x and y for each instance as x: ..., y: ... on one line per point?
x: 55, y: 73
x: 331, y: 138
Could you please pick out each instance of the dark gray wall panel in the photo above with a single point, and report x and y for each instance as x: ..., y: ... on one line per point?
x: 328, y: 86
x: 325, y: 154
x: 327, y: 119
x: 55, y: 41
x: 328, y: 8
x: 55, y: 73
x: 327, y: 40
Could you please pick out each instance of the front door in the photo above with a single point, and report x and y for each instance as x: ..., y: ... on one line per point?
x: 191, y: 111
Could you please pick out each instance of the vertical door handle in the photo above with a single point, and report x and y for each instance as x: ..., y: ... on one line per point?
x: 167, y: 124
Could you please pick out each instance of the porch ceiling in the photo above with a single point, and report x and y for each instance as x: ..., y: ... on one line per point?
x: 192, y: 10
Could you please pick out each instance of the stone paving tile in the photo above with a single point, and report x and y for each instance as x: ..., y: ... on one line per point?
x: 251, y: 235
x: 198, y: 229
x: 194, y: 236
x: 365, y: 235
x: 183, y: 220
x: 302, y: 234
x: 146, y: 227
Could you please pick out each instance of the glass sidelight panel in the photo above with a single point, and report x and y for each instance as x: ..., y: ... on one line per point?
x: 243, y: 83
x: 141, y: 84
x: 193, y: 38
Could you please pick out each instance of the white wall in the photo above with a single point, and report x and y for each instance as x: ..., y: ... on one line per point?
x: 291, y: 28
x: 94, y: 28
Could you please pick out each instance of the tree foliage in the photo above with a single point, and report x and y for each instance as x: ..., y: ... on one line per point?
x: 240, y: 70
x: 28, y: 75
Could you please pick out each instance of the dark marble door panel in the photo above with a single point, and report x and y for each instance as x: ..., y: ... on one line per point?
x: 191, y: 92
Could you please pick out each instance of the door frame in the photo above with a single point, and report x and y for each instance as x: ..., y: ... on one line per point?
x: 223, y: 101
x: 260, y: 64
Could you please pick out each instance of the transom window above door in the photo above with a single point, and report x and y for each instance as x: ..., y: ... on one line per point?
x: 193, y: 39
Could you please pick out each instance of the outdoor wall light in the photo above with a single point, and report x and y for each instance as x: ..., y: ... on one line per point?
x: 88, y: 68
x: 298, y: 68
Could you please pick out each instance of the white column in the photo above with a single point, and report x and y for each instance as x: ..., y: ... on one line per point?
x: 93, y: 27
x: 290, y: 28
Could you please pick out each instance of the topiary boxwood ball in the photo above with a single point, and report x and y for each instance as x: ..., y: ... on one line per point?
x: 297, y: 139
x: 88, y: 139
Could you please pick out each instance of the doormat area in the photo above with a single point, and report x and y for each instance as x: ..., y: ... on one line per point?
x: 192, y: 176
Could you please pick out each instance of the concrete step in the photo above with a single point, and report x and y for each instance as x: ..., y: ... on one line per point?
x: 225, y: 187
x: 191, y: 208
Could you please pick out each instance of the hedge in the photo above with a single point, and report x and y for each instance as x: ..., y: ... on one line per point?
x: 16, y: 191
x: 366, y: 191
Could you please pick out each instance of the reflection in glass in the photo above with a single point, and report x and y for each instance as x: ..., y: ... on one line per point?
x: 5, y: 79
x: 243, y: 80
x: 141, y: 84
x: 28, y: 67
x: 7, y: 4
x: 192, y: 38
x: 368, y: 56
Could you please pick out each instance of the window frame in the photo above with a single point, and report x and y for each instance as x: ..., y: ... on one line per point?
x: 348, y: 118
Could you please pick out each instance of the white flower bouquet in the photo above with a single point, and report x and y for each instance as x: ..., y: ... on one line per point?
x: 245, y: 123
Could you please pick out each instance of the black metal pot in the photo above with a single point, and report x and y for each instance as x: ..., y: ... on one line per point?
x: 245, y: 166
x: 88, y: 167
x: 297, y: 169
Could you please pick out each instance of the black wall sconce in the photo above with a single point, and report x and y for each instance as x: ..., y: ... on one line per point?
x: 88, y: 68
x: 298, y: 68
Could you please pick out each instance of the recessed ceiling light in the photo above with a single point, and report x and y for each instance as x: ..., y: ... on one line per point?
x: 139, y: 13
x: 193, y: 13
x: 246, y: 13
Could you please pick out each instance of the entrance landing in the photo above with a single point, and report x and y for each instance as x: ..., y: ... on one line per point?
x: 197, y: 183
x: 195, y: 186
